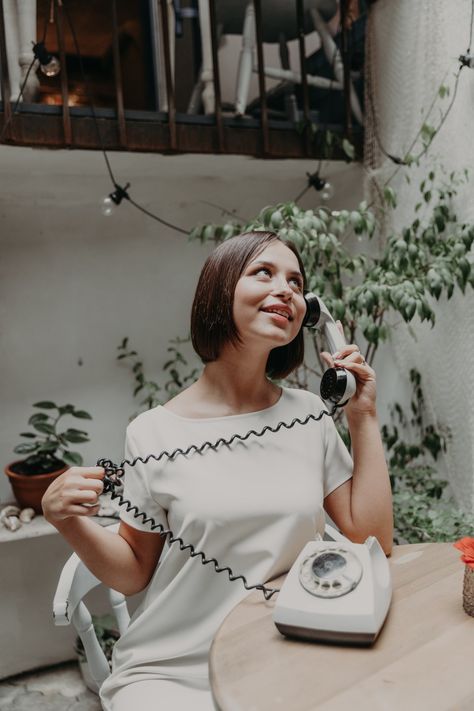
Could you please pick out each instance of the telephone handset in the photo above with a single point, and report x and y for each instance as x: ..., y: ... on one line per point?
x: 337, y: 384
x: 311, y: 577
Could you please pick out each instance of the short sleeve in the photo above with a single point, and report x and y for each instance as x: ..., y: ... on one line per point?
x: 337, y: 460
x: 137, y: 492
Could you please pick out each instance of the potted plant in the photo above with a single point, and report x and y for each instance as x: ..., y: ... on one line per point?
x: 48, y: 452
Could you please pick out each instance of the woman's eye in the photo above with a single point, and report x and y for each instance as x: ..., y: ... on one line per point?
x: 264, y: 270
x: 298, y: 283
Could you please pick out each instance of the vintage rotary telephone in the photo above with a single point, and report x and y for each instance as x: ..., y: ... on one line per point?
x: 336, y: 590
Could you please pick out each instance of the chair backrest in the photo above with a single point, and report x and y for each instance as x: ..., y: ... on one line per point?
x: 278, y: 16
x: 75, y: 581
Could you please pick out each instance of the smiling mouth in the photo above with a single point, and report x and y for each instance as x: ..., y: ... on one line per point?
x: 275, y: 312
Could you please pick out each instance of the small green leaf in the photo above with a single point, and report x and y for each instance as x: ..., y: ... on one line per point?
x: 75, y: 437
x: 390, y: 196
x: 348, y: 149
x: 48, y: 447
x: 26, y: 448
x: 37, y: 417
x: 44, y: 427
x: 73, y: 458
x: 82, y: 415
x: 30, y: 435
x: 45, y: 405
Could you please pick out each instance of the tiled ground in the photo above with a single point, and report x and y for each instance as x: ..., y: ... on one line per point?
x: 58, y: 688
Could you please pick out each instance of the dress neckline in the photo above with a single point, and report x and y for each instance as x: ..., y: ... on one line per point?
x: 224, y: 417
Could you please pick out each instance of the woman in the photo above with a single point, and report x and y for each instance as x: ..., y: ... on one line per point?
x: 251, y: 504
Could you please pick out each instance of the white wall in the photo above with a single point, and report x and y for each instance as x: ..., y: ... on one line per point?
x: 410, y: 65
x: 74, y: 283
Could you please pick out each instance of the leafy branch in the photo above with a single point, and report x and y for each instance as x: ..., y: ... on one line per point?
x: 176, y: 367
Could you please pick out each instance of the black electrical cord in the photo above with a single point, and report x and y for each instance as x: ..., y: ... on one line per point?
x: 312, y: 178
x: 114, y: 473
x: 472, y: 25
x: 117, y: 188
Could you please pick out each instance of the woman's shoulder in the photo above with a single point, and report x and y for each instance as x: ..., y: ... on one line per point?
x: 299, y: 396
x: 146, y: 421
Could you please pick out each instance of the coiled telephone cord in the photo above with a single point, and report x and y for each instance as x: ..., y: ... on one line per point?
x: 114, y: 473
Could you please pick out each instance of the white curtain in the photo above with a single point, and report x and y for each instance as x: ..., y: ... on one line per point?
x: 412, y: 48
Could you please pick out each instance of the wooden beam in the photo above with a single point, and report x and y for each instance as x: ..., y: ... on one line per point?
x: 46, y: 131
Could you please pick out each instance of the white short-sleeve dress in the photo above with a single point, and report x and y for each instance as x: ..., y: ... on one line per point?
x: 252, y: 505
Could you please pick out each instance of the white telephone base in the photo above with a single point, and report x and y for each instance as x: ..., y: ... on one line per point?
x: 336, y: 591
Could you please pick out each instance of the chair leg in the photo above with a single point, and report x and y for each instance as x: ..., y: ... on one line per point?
x: 244, y: 71
x: 334, y: 58
x: 291, y: 106
x: 98, y: 664
x: 207, y: 74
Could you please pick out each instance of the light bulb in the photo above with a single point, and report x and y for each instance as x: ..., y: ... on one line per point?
x: 327, y: 192
x: 49, y: 64
x: 51, y: 68
x: 107, y: 206
x: 110, y: 202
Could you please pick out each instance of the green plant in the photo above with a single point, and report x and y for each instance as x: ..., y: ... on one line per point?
x: 47, y: 447
x: 176, y: 367
x: 422, y: 510
x: 368, y: 291
x: 105, y: 627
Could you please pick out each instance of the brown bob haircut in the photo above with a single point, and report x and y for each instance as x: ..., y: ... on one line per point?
x: 212, y: 321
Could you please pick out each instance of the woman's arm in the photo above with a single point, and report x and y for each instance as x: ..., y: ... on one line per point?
x: 362, y: 506
x: 124, y: 561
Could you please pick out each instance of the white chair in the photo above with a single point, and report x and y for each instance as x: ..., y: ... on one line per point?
x: 279, y: 26
x: 75, y: 582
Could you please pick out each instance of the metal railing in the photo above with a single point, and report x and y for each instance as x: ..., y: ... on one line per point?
x: 167, y: 130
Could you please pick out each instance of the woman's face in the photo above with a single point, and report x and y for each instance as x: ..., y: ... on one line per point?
x: 269, y: 305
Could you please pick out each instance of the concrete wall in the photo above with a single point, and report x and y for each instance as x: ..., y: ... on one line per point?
x: 75, y: 283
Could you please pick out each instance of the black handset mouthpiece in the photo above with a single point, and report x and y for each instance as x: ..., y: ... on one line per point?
x: 313, y: 309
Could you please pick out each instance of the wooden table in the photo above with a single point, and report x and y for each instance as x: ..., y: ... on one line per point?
x: 423, y: 659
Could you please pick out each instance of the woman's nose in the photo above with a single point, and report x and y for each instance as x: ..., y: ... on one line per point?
x: 283, y: 288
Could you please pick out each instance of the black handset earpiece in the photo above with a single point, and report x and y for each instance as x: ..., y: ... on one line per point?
x: 313, y: 309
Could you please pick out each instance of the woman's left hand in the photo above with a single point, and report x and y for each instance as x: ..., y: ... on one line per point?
x: 350, y: 358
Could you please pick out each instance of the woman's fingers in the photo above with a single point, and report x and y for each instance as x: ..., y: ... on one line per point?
x: 74, y: 493
x: 327, y: 358
x: 83, y: 496
x: 93, y: 472
x: 78, y: 510
x: 348, y: 353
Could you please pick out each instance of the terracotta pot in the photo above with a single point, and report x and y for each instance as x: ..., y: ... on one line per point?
x: 29, y: 490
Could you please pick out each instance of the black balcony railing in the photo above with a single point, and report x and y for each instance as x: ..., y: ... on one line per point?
x: 137, y: 102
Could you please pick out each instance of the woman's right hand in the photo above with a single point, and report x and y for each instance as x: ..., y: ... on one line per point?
x: 73, y: 493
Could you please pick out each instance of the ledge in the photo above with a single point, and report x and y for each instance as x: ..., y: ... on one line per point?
x: 40, y: 527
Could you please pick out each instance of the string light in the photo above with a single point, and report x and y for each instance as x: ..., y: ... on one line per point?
x: 467, y: 60
x: 110, y: 202
x: 49, y: 64
x: 320, y: 184
x: 120, y: 193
